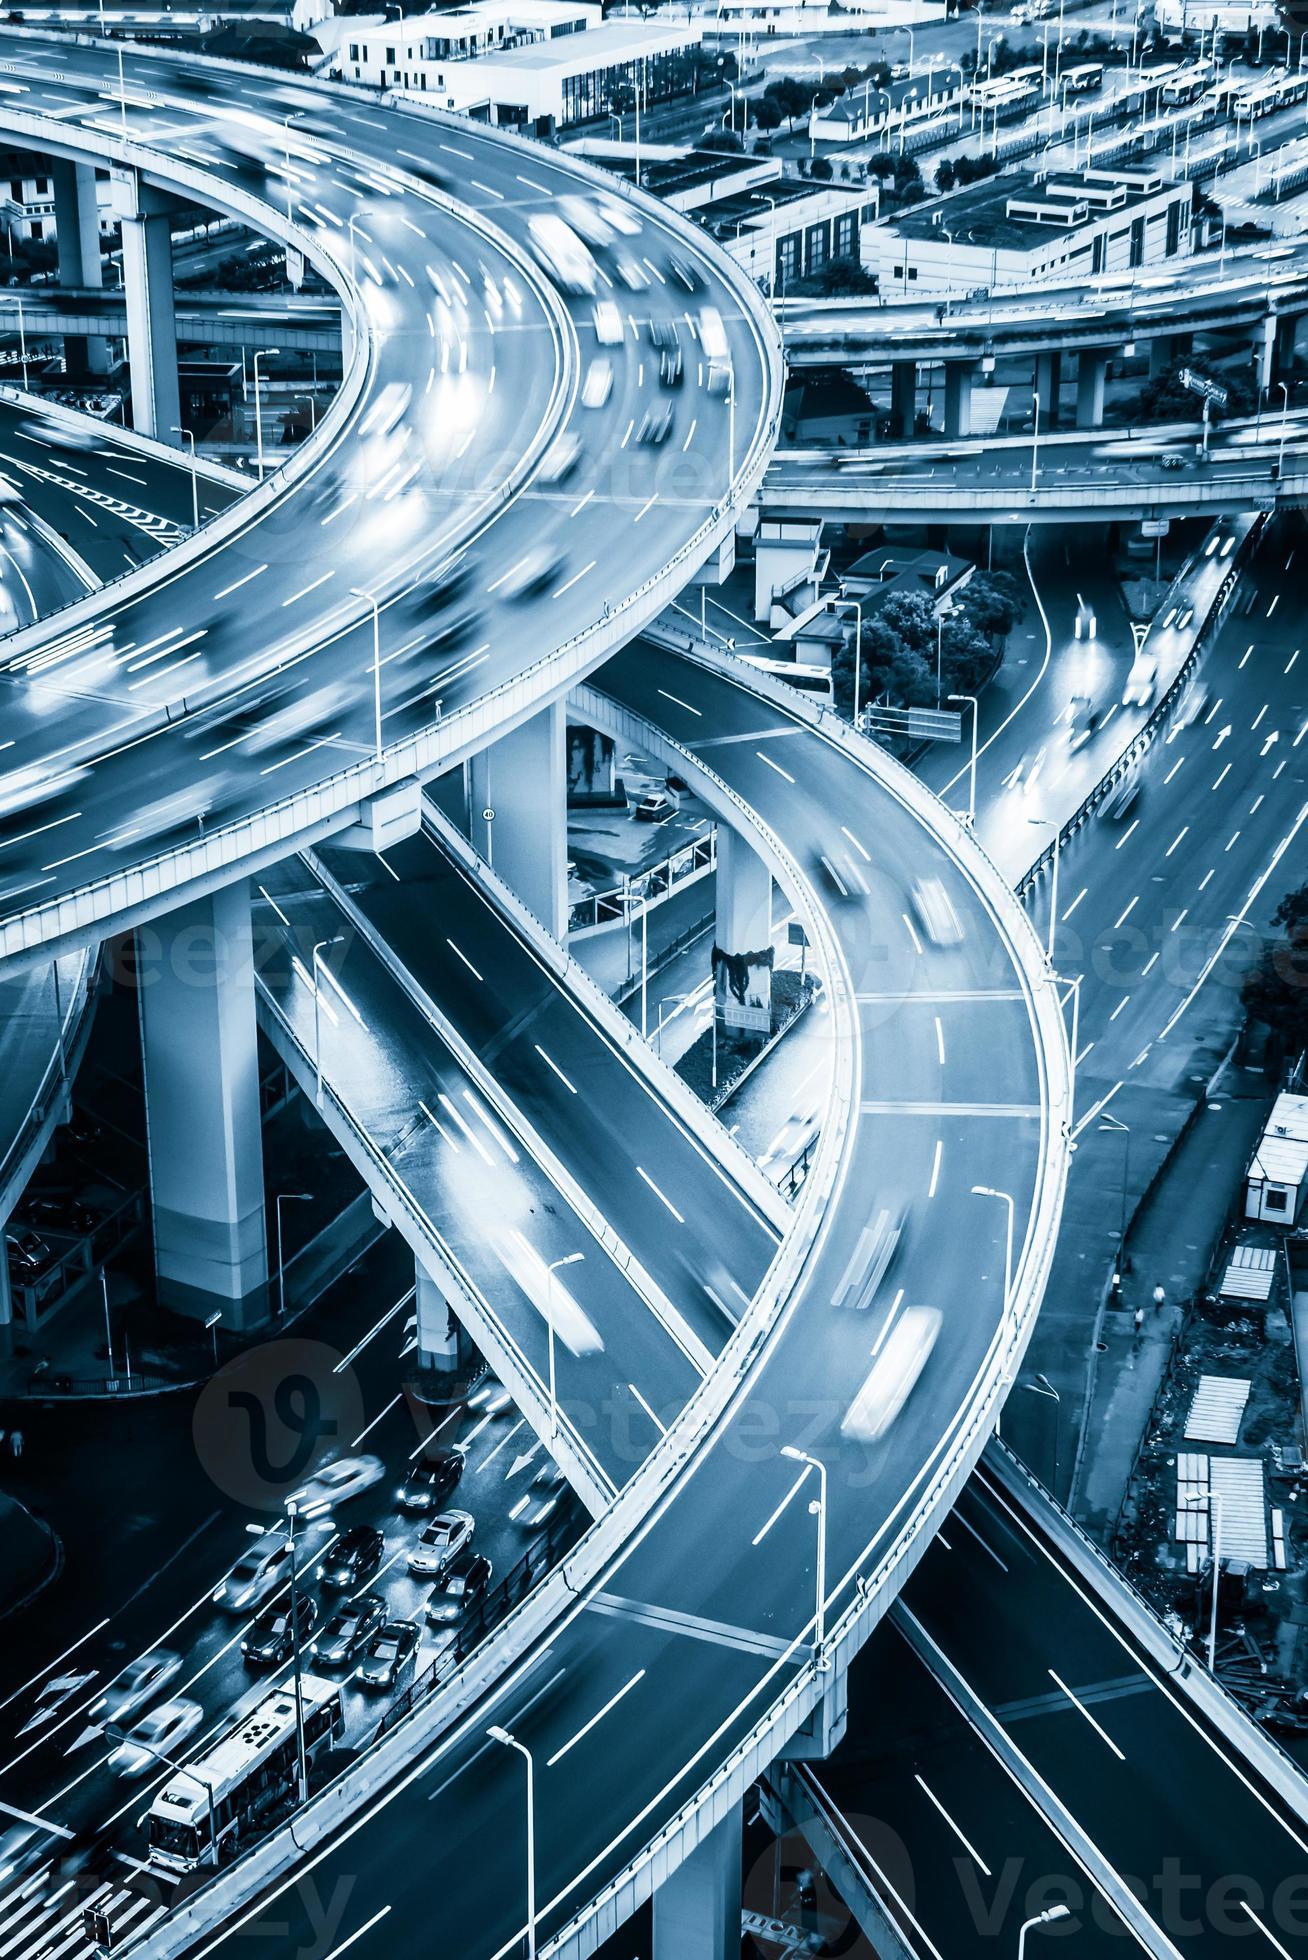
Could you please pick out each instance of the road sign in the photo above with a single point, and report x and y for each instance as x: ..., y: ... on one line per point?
x: 795, y: 933
x: 1155, y: 527
x: 1199, y: 384
x: 488, y: 815
x: 918, y: 724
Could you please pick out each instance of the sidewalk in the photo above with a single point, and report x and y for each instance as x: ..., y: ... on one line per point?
x: 1170, y: 1243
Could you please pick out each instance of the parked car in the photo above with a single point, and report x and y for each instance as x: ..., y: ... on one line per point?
x: 159, y: 1732
x: 255, y: 1574
x: 349, y: 1630
x: 431, y: 1479
x: 28, y: 1254
x: 388, y: 1654
x: 353, y: 1559
x: 55, y: 1213
x: 439, y: 1543
x: 271, y: 1639
x: 461, y: 1591
x: 138, y: 1684
x: 658, y: 806
x: 347, y: 1477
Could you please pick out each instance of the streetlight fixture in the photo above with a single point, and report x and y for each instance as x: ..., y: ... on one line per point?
x: 1046, y: 823
x: 108, y: 1325
x: 989, y: 1191
x: 317, y: 1011
x: 178, y: 430
x: 817, y: 1510
x: 1035, y: 439
x: 568, y: 1259
x: 358, y: 592
x: 1043, y: 1387
x: 1285, y: 423
x: 211, y: 1326
x: 971, y: 767
x: 260, y: 354
x: 296, y: 1197
x: 1044, y: 1918
x: 497, y: 1734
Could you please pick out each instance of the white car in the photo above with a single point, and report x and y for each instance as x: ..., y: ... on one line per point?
x: 609, y: 330
x: 256, y: 1573
x: 935, y: 914
x: 439, y: 1542
x: 561, y: 458
x: 158, y: 1733
x: 904, y: 1355
x: 870, y: 1260
x: 347, y: 1477
x: 616, y: 213
x: 535, y: 569
x: 140, y: 1681
x: 598, y: 385
x: 630, y: 271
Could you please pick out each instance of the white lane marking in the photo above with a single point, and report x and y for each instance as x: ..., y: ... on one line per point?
x: 595, y: 1719
x: 676, y: 698
x: 781, y: 1509
x: 551, y: 1063
x: 774, y: 765
x: 642, y: 1172
x: 970, y: 1848
x: 366, y: 1927
x: 228, y: 589
x: 660, y: 1426
x: 935, y: 1167
x: 466, y: 961
x: 1081, y: 1709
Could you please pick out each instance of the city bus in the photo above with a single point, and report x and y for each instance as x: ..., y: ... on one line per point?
x: 807, y: 676
x: 242, y: 1778
x: 1186, y: 85
x: 1083, y: 79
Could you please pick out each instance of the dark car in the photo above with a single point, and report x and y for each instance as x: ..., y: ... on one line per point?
x: 431, y: 1480
x: 461, y: 1591
x: 655, y: 425
x: 349, y: 1630
x: 671, y: 367
x: 435, y: 592
x: 388, y: 1654
x: 28, y: 1255
x: 353, y: 1558
x: 271, y: 1638
x: 59, y: 1214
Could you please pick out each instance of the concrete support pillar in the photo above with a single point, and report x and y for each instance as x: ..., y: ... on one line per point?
x: 592, y: 766
x: 450, y: 795
x: 151, y: 322
x: 195, y: 982
x: 697, y: 1910
x: 960, y: 378
x: 1091, y: 372
x: 77, y: 234
x: 1166, y: 353
x: 742, y: 940
x: 903, y: 399
x: 519, y: 799
x: 1264, y: 353
x: 1283, y: 359
x: 1048, y: 384
x: 442, y: 1343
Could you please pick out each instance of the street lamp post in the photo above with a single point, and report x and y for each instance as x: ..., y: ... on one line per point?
x: 568, y: 1259
x: 296, y: 1197
x: 1043, y: 1387
x: 317, y: 1013
x: 1285, y: 423
x: 1044, y: 1918
x: 835, y: 606
x: 1109, y: 1122
x: 108, y: 1325
x: 1215, y: 1516
x: 817, y: 1510
x: 668, y: 1000
x: 1035, y: 439
x: 971, y: 767
x: 989, y: 1191
x: 260, y: 354
x: 357, y: 592
x: 189, y: 434
x: 22, y: 343
x: 503, y: 1736
x: 1053, y: 888
x: 302, y: 1764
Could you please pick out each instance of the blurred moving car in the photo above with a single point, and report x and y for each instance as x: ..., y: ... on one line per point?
x: 935, y: 914
x: 608, y: 323
x: 655, y: 425
x: 548, y: 1490
x: 158, y: 1733
x: 490, y: 1397
x: 139, y: 1682
x: 255, y: 1574
x: 388, y: 1654
x: 598, y: 385
x: 533, y: 570
x: 561, y: 458
x: 347, y: 1477
x: 870, y: 1259
x: 903, y: 1356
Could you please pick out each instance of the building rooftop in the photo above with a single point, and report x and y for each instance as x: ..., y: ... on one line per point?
x: 599, y: 47
x: 866, y: 99
x: 736, y: 212
x: 677, y: 179
x: 990, y: 214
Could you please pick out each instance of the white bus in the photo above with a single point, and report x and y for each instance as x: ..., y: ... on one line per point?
x: 808, y: 676
x: 1186, y: 85
x: 1083, y: 79
x: 243, y: 1777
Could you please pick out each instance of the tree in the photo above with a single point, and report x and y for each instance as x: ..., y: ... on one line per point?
x: 821, y: 169
x: 721, y: 139
x: 838, y: 279
x: 946, y: 175
x: 1276, y: 990
x: 766, y: 115
x: 991, y: 601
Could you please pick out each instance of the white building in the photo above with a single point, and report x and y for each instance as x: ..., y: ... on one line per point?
x: 1178, y: 17
x: 1017, y: 228
x: 1279, y: 1170
x: 537, y: 62
x: 868, y: 111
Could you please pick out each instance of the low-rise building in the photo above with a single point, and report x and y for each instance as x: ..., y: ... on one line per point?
x: 1278, y: 1173
x: 881, y: 574
x: 1017, y: 228
x: 542, y: 64
x: 867, y: 111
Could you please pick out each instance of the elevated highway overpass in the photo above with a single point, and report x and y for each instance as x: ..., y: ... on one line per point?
x: 302, y: 323
x: 162, y: 677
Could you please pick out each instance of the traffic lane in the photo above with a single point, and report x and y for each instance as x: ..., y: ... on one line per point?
x: 566, y: 1076
x: 35, y: 577
x: 499, y: 1217
x: 638, y: 509
x: 951, y: 1840
x: 1140, y: 1773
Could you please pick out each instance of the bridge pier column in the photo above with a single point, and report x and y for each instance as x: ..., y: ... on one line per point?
x: 697, y: 1910
x: 6, y: 1306
x: 1284, y: 357
x: 442, y: 1343
x: 742, y: 938
x: 1048, y: 385
x: 960, y: 379
x: 1264, y: 353
x: 1091, y: 373
x: 903, y: 399
x: 77, y: 234
x: 151, y: 322
x: 195, y: 990
x: 522, y: 780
